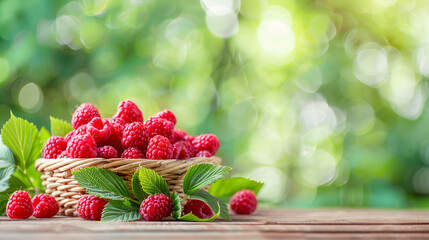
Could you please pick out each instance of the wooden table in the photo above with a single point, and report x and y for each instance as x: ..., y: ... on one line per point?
x: 335, y: 223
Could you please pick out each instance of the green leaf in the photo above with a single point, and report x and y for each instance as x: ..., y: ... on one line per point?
x: 137, y: 188
x: 44, y: 135
x: 19, y: 180
x: 190, y: 217
x: 3, y: 202
x: 201, y: 175
x: 120, y: 211
x: 214, y: 203
x: 177, y: 207
x: 23, y: 139
x: 35, y: 177
x: 5, y: 174
x: 228, y: 187
x: 60, y: 127
x: 7, y: 165
x: 102, y: 183
x: 152, y: 183
x: 16, y: 184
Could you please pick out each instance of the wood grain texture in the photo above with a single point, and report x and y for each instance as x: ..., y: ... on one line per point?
x: 277, y: 224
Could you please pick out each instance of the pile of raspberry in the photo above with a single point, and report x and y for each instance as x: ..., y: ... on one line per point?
x: 127, y: 135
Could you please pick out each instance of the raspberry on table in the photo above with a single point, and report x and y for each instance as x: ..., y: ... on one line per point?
x: 167, y: 115
x: 90, y: 207
x: 204, y: 153
x: 129, y: 112
x: 183, y: 150
x: 54, y: 147
x: 84, y: 114
x: 208, y: 142
x: 133, y: 153
x: 19, y: 205
x: 198, y: 208
x: 156, y: 207
x: 117, y: 126
x: 135, y: 135
x: 82, y: 146
x: 158, y: 126
x: 159, y: 148
x: 45, y: 206
x: 243, y: 202
x: 100, y: 130
x: 107, y: 152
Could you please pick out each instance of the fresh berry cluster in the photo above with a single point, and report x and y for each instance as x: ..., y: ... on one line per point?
x: 127, y: 135
x: 20, y: 206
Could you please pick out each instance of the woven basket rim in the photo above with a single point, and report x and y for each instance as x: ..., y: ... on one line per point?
x: 41, y: 163
x: 127, y: 159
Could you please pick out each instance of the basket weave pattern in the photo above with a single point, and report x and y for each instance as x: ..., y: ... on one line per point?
x: 59, y: 182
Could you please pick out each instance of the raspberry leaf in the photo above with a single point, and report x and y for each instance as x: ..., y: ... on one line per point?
x: 60, y: 127
x: 214, y: 203
x: 120, y: 211
x: 190, y: 217
x: 102, y: 183
x: 7, y: 166
x: 177, y: 207
x: 152, y: 183
x: 23, y: 139
x: 137, y: 188
x: 3, y: 202
x: 201, y: 175
x: 228, y: 187
x: 44, y: 135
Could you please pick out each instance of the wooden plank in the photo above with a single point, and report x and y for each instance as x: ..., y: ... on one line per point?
x: 333, y: 223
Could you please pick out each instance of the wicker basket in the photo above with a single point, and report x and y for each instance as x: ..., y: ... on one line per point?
x: 59, y: 182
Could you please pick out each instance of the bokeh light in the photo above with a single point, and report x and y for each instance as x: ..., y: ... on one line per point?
x: 325, y: 101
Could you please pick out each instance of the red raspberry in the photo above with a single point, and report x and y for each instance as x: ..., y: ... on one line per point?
x: 107, y: 152
x: 189, y: 138
x: 129, y: 112
x: 156, y: 207
x: 100, y: 130
x: 19, y: 205
x: 79, y: 131
x: 132, y: 153
x: 90, y: 207
x: 183, y: 150
x: 63, y: 154
x: 207, y: 142
x: 69, y: 135
x: 45, y: 206
x: 54, y: 147
x: 84, y: 114
x: 158, y: 126
x: 167, y: 115
x: 198, y: 208
x: 117, y: 127
x: 243, y: 202
x: 159, y: 148
x: 82, y: 146
x: 178, y: 135
x: 204, y: 153
x: 135, y: 135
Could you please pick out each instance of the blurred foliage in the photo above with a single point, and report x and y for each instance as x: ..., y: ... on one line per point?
x: 325, y: 101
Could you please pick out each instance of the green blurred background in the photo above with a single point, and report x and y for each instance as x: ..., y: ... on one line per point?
x: 324, y: 101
